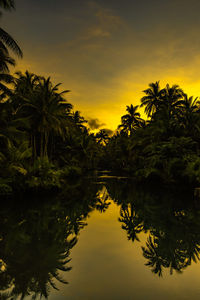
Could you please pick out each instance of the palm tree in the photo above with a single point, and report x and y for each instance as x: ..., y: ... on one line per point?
x: 167, y: 108
x: 4, y: 89
x: 102, y: 137
x: 5, y: 60
x: 5, y: 78
x: 189, y: 114
x: 78, y: 119
x: 132, y: 120
x: 24, y: 85
x: 190, y: 103
x: 7, y: 4
x: 11, y: 142
x: 7, y: 43
x: 152, y: 99
x: 172, y: 97
x: 38, y: 100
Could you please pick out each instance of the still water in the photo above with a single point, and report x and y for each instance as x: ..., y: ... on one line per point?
x: 108, y: 240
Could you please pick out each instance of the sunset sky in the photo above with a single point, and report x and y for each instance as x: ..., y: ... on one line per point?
x: 107, y: 51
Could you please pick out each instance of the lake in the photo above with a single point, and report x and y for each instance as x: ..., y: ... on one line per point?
x: 107, y: 238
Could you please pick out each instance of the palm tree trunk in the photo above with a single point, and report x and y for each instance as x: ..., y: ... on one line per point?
x: 46, y: 138
x: 41, y: 144
x: 33, y: 146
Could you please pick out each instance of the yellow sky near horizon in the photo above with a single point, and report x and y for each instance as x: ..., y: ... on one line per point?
x: 122, y: 92
x: 107, y: 52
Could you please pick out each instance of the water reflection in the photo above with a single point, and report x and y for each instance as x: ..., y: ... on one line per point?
x: 36, y: 238
x: 103, y: 200
x: 169, y: 217
x: 37, y: 235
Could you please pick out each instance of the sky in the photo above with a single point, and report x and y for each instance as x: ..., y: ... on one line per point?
x: 106, y: 52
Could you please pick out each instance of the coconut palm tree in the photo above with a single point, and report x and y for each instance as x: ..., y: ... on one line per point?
x: 7, y: 4
x: 172, y: 98
x: 5, y: 77
x: 132, y: 120
x: 152, y: 99
x: 46, y: 109
x: 6, y: 40
x: 190, y: 103
x: 7, y: 43
x: 102, y: 137
x: 189, y: 114
x: 78, y: 119
x: 168, y: 106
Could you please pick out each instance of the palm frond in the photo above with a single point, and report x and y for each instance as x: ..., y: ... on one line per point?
x: 10, y: 42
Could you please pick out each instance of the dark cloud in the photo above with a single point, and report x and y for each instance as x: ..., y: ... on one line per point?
x: 108, y: 131
x: 95, y: 123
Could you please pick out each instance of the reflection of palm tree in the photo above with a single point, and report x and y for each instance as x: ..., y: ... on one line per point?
x: 131, y: 222
x: 34, y: 252
x: 36, y: 241
x: 162, y: 253
x: 155, y: 261
x: 103, y: 198
x: 39, y: 269
x: 192, y: 251
x: 174, y: 240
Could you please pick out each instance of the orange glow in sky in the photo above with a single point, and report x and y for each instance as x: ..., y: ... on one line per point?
x: 107, y: 52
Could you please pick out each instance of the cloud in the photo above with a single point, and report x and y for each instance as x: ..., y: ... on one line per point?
x: 104, y: 22
x: 97, y: 32
x: 106, y: 17
x: 108, y: 131
x: 95, y: 123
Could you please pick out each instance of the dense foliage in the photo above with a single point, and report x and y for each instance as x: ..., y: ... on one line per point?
x: 164, y: 147
x: 43, y: 141
x: 44, y: 144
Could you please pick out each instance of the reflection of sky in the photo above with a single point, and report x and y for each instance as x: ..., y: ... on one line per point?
x: 107, y: 51
x: 107, y: 266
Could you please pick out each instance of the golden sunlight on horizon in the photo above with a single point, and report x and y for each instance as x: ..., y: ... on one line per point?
x: 104, y: 54
x: 121, y: 93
